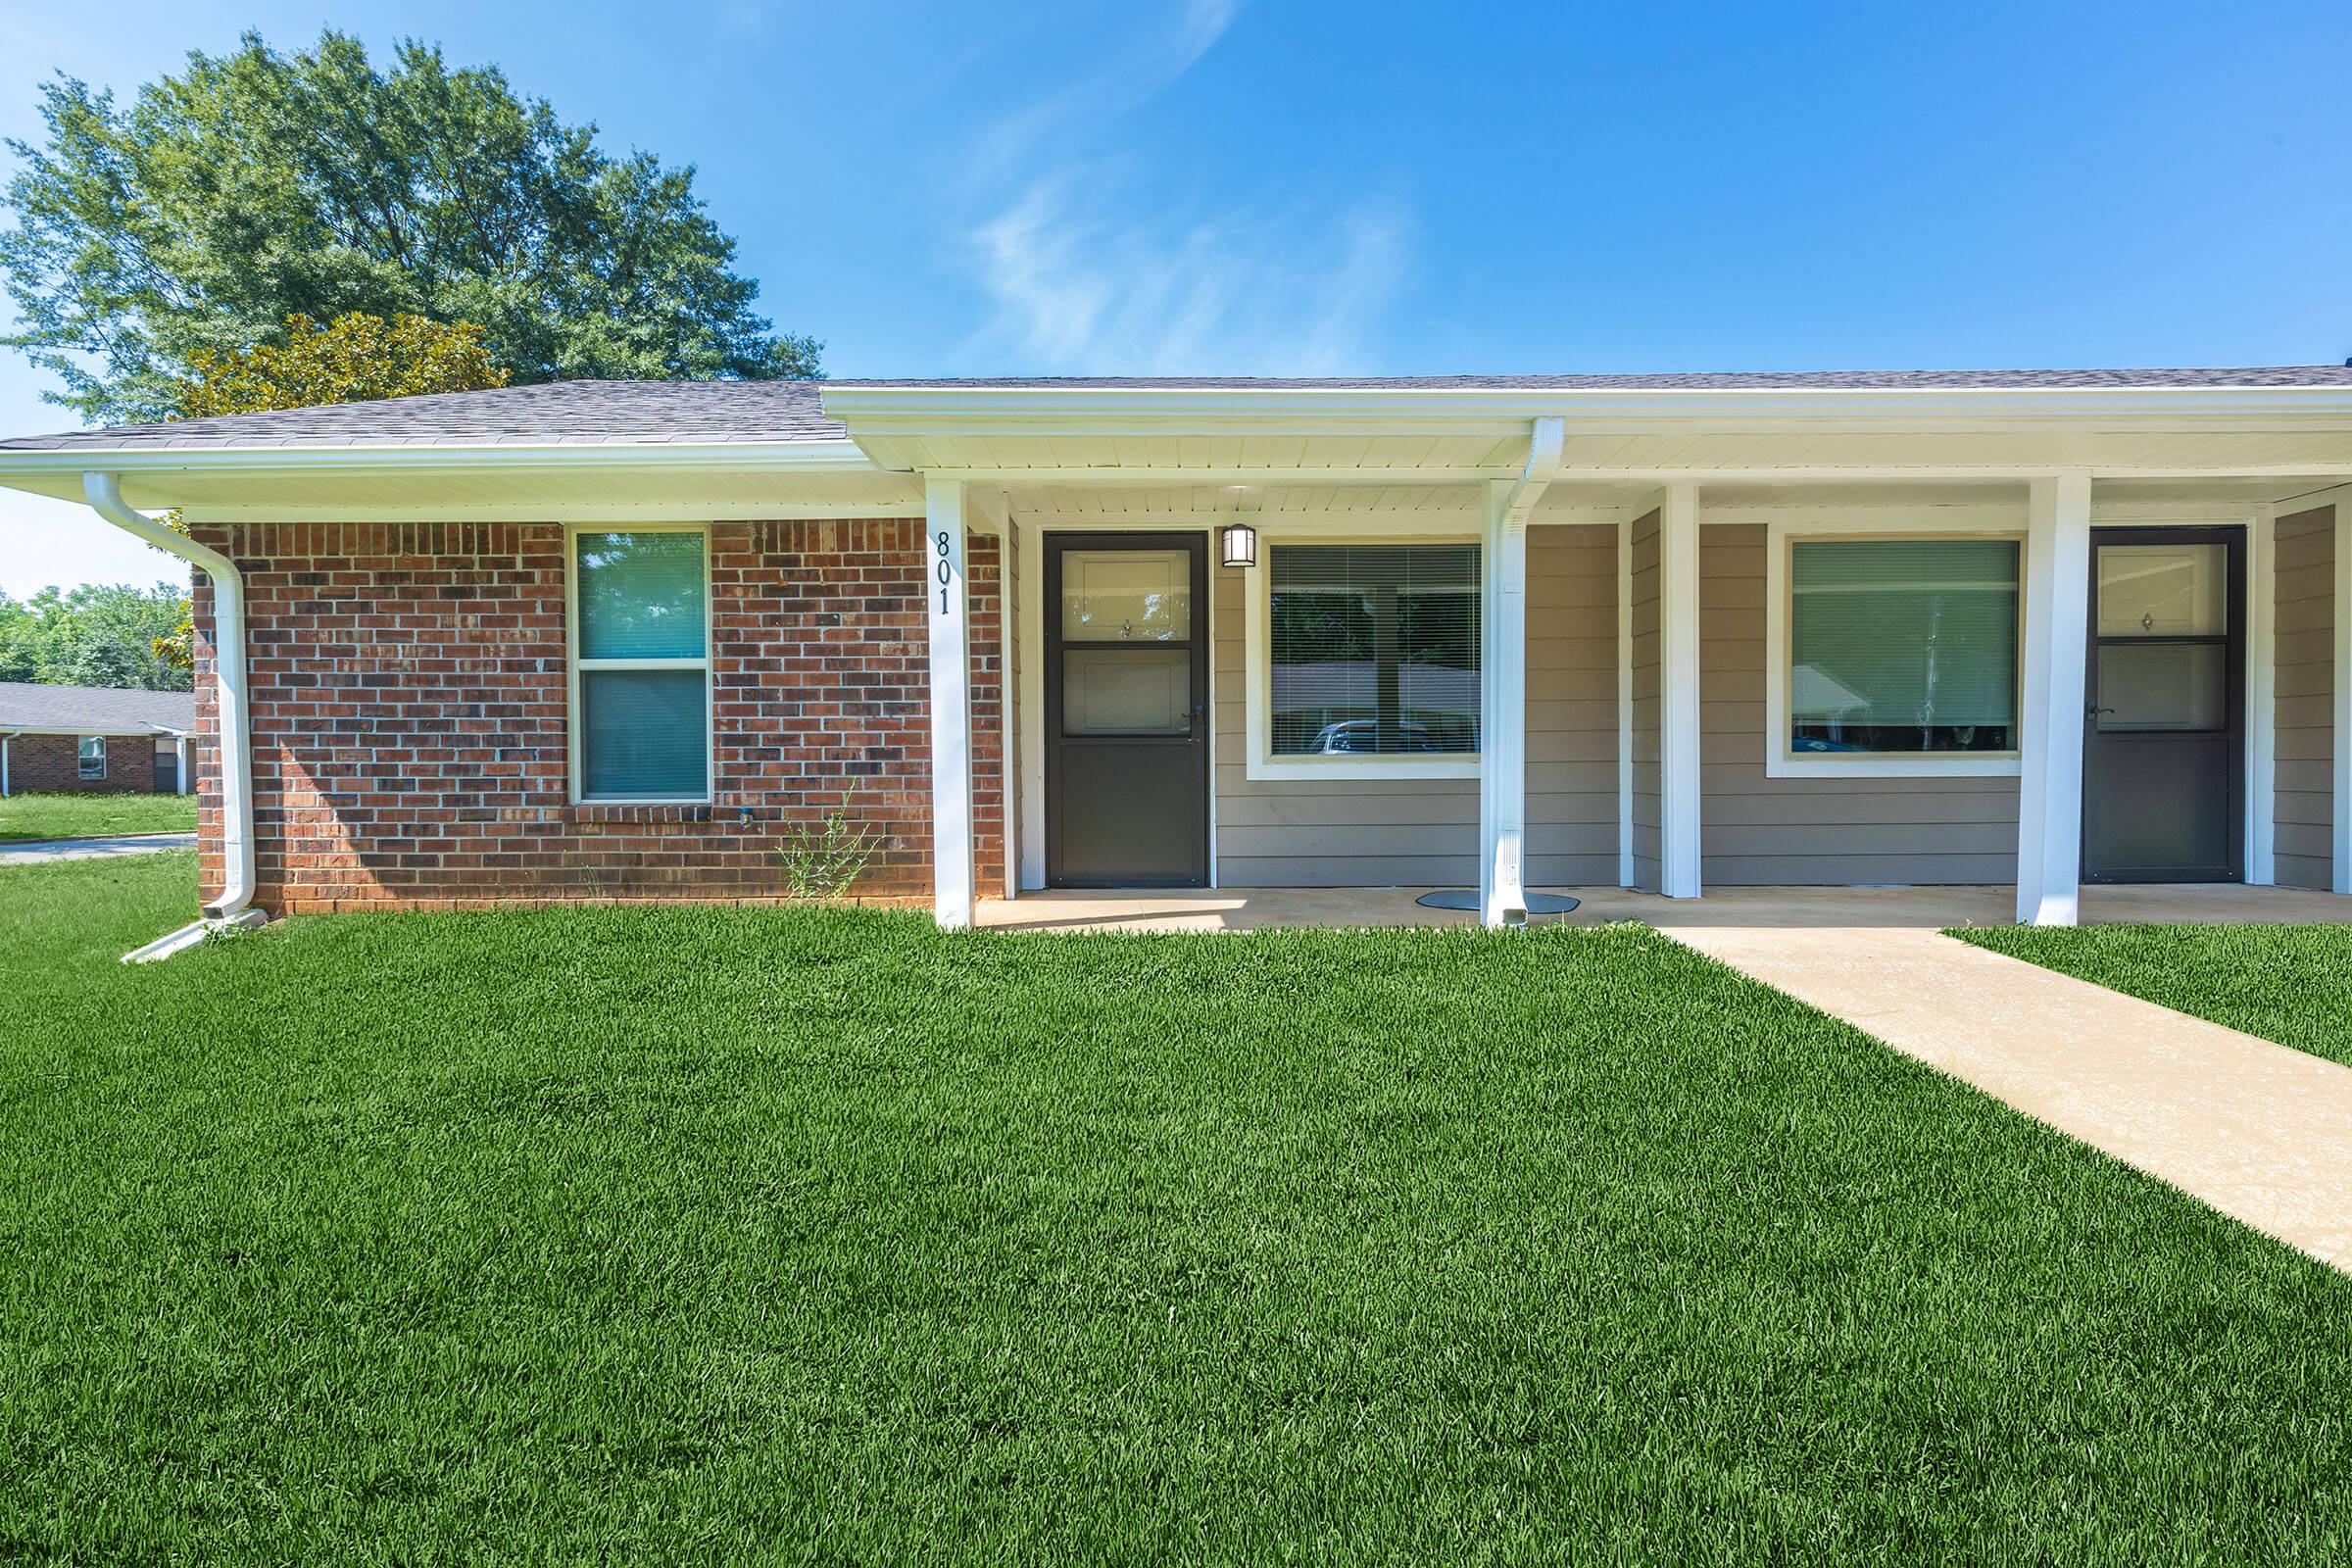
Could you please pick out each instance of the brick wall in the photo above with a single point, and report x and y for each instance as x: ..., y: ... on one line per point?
x: 44, y: 762
x: 410, y: 716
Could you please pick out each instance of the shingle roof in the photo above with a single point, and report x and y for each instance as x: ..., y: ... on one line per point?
x: 94, y: 709
x: 563, y: 413
x: 693, y: 413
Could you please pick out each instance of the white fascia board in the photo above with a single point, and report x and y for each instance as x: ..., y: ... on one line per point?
x: 57, y: 472
x: 1133, y: 410
x: 837, y: 455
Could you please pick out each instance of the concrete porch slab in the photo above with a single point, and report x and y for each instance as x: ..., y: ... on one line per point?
x: 1928, y: 908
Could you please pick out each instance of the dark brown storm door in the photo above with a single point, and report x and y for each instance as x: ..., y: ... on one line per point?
x: 1126, y: 710
x: 2163, y: 745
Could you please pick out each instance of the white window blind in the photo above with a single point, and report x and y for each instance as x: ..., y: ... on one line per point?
x: 1374, y: 650
x: 1903, y: 644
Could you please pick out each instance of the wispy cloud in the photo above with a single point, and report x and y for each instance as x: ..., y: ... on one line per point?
x: 1081, y: 288
x: 1149, y: 64
x: 1086, y: 274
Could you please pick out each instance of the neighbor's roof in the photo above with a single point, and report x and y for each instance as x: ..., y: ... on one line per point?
x: 94, y: 709
x: 701, y: 413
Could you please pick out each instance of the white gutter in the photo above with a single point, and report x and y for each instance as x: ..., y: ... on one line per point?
x: 1543, y: 467
x: 231, y: 710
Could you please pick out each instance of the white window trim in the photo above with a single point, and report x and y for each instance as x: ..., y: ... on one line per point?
x: 1259, y: 641
x: 573, y: 664
x: 1779, y: 651
x: 81, y: 763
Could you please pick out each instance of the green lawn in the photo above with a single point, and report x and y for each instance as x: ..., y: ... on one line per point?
x: 726, y: 1236
x: 74, y: 816
x: 2288, y: 983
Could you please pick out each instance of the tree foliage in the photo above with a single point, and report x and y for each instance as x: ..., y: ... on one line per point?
x: 351, y: 359
x: 94, y: 635
x: 256, y: 185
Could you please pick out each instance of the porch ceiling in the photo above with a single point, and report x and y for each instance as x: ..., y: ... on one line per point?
x: 1572, y: 499
x: 1616, y: 455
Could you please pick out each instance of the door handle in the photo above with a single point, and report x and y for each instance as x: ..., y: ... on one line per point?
x: 2093, y: 709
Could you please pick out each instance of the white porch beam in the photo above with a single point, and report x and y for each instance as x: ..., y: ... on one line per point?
x: 1678, y: 719
x: 951, y: 703
x: 2049, y: 805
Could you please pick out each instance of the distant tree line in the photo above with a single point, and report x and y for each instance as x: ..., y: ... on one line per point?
x: 94, y: 635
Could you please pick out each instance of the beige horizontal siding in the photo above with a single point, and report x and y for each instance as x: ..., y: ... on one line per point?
x: 1316, y: 833
x: 1818, y: 832
x: 1571, y: 706
x: 1648, y: 647
x: 2304, y: 698
x: 1406, y: 832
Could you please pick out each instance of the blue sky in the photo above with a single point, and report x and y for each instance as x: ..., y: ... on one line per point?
x: 1264, y: 187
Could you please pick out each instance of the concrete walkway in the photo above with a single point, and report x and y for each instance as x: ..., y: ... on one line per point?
x: 33, y: 852
x: 2256, y: 1130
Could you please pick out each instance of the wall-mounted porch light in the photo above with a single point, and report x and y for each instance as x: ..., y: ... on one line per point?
x: 1241, y: 545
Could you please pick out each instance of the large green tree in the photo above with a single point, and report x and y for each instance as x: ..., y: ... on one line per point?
x: 258, y: 185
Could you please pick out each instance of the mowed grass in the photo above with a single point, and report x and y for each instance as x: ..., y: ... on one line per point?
x: 739, y: 1236
x: 66, y: 815
x: 2287, y: 983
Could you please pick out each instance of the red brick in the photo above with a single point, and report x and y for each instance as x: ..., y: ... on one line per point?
x: 409, y: 721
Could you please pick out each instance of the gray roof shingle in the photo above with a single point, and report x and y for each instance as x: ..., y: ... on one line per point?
x: 563, y: 413
x: 693, y: 413
x: 94, y: 709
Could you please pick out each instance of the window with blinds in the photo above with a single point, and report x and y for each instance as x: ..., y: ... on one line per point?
x: 1902, y: 644
x: 1373, y: 649
x: 641, y: 710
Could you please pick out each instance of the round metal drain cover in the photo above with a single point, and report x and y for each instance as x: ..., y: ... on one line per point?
x: 1466, y: 899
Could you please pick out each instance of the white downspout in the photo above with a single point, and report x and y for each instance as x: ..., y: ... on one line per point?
x: 5, y: 742
x: 231, y: 709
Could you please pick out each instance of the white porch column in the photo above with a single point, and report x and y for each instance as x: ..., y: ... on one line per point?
x: 951, y: 704
x: 179, y: 747
x: 1678, y: 706
x: 2049, y: 801
x: 1502, y: 721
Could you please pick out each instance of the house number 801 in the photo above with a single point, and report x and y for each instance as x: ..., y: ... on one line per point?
x: 946, y: 573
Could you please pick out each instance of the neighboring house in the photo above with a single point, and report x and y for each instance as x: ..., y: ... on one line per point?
x: 1674, y: 632
x: 96, y: 739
